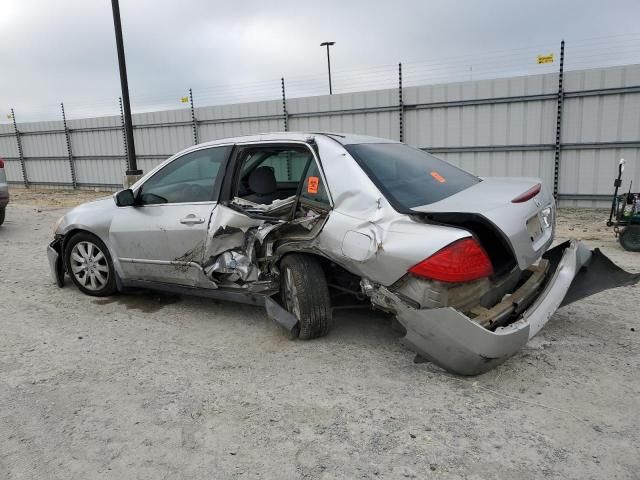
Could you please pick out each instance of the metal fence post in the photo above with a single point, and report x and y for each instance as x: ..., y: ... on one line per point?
x: 67, y: 135
x: 25, y: 180
x: 558, y: 145
x: 124, y: 134
x: 285, y: 119
x: 285, y: 114
x: 400, y: 103
x: 194, y: 122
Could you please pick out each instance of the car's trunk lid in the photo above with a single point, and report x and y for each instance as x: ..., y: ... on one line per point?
x: 520, y: 224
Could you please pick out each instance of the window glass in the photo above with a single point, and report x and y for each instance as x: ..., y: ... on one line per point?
x: 313, y: 187
x: 409, y: 177
x: 189, y: 178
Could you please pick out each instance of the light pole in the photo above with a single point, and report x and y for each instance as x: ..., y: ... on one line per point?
x: 328, y: 44
x: 133, y: 171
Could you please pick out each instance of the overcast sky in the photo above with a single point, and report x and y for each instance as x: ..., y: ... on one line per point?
x: 64, y: 50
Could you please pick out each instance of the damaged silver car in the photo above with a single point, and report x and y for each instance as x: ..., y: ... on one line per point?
x: 299, y: 221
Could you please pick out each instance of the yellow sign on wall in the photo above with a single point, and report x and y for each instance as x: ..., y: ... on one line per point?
x: 545, y: 58
x: 184, y: 99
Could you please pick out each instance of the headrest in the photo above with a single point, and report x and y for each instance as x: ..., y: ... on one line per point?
x: 263, y: 181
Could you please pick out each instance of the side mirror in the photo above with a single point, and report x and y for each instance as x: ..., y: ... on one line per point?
x: 125, y: 198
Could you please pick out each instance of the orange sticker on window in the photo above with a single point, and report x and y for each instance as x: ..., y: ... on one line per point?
x: 438, y: 177
x: 312, y: 185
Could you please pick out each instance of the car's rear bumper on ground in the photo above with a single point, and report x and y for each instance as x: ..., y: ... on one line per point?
x: 452, y: 340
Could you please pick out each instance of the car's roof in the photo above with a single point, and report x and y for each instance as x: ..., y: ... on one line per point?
x: 343, y: 138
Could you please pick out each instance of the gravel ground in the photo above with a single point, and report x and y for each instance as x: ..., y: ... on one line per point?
x: 151, y: 387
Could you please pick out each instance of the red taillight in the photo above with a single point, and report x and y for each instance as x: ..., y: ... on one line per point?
x: 1, y: 163
x: 461, y: 261
x: 528, y: 195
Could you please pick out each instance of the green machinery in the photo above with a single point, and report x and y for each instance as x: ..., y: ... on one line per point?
x: 625, y: 214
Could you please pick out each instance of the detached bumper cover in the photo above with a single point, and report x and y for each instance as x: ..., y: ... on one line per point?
x: 54, y: 254
x: 452, y: 340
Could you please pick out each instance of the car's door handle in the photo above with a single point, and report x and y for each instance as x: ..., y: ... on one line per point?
x: 191, y: 219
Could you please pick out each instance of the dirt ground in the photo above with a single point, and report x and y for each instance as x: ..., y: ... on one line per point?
x: 154, y: 387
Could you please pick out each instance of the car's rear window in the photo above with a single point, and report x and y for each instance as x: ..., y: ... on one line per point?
x: 409, y: 177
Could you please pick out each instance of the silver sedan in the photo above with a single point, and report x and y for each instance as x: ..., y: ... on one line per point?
x: 301, y: 222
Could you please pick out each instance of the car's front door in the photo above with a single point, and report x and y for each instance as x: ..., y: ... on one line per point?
x: 162, y: 237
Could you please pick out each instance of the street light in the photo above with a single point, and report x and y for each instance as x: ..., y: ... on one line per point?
x: 328, y: 44
x: 133, y: 171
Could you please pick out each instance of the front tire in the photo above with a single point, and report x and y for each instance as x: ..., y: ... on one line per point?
x: 89, y: 265
x: 630, y: 238
x: 305, y: 294
x: 2, y: 214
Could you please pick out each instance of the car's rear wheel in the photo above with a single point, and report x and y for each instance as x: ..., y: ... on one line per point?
x: 630, y: 238
x: 89, y: 265
x: 305, y: 294
x: 2, y: 215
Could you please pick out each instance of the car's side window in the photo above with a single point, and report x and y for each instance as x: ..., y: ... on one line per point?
x: 269, y: 173
x: 189, y: 178
x: 288, y: 165
x: 274, y: 178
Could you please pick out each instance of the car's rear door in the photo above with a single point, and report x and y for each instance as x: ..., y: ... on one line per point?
x: 162, y: 238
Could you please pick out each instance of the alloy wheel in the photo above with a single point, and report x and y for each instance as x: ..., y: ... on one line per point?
x: 291, y: 294
x: 89, y: 265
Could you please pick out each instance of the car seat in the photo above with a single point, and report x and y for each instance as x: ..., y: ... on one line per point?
x: 262, y: 181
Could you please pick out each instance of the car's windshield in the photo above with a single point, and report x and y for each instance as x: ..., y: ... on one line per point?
x: 409, y: 177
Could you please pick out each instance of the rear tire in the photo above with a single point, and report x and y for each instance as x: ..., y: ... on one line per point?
x: 305, y: 294
x: 89, y: 265
x: 2, y: 214
x: 630, y: 238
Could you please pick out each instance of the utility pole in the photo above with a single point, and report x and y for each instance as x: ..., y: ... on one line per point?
x: 133, y: 173
x: 328, y: 44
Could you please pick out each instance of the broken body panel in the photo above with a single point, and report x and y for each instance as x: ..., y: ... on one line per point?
x: 462, y: 345
x: 234, y: 252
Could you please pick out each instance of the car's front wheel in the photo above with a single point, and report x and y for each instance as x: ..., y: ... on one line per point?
x: 89, y: 265
x: 2, y: 214
x: 305, y: 294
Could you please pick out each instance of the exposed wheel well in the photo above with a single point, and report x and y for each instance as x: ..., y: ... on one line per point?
x: 336, y: 275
